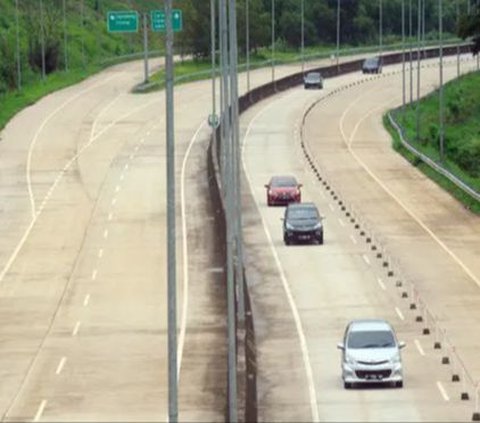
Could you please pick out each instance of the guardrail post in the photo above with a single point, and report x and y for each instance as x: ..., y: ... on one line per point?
x: 445, y: 359
x: 426, y: 329
x: 437, y: 344
x: 455, y: 375
x: 413, y: 304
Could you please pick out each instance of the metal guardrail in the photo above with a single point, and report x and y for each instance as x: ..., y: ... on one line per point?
x: 434, y: 165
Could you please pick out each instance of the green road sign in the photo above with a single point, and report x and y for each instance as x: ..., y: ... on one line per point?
x: 159, y: 23
x: 122, y: 21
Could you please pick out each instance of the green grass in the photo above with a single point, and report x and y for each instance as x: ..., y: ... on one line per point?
x: 469, y: 202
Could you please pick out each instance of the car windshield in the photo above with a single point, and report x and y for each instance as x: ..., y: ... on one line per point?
x: 301, y: 213
x: 283, y: 182
x: 371, y: 339
x: 371, y: 62
x: 313, y: 76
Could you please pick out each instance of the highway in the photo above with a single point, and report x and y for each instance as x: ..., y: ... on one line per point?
x: 83, y: 257
x: 304, y: 295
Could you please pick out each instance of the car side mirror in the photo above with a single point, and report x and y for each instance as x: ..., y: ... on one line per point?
x: 282, y: 218
x: 401, y: 345
x: 300, y: 185
x: 340, y: 346
x: 266, y: 186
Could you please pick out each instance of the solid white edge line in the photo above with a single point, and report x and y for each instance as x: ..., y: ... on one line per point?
x: 183, y: 319
x: 400, y: 314
x: 442, y: 391
x: 348, y: 142
x: 60, y: 365
x: 291, y: 301
x: 39, y: 413
x: 419, y: 347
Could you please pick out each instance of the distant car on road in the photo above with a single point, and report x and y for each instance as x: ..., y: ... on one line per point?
x: 371, y: 354
x: 282, y: 190
x: 372, y: 65
x: 313, y: 80
x: 302, y: 222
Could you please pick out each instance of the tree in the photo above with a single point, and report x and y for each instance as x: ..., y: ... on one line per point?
x: 469, y: 26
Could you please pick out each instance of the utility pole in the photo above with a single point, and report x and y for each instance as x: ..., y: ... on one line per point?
x: 247, y: 41
x: 411, y: 50
x: 82, y: 15
x: 171, y: 225
x: 19, y: 68
x: 214, y: 70
x: 457, y: 6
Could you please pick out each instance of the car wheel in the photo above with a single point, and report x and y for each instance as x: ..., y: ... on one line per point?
x: 286, y: 240
x: 320, y: 239
x: 347, y: 385
x: 399, y: 384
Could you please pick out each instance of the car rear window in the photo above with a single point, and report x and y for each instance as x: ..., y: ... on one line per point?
x: 283, y: 182
x: 371, y: 339
x: 303, y: 213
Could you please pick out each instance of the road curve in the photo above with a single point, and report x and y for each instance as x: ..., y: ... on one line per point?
x: 303, y: 296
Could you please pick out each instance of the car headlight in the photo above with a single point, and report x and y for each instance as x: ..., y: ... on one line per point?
x: 350, y: 360
x: 395, y: 359
x: 318, y: 226
x: 289, y: 226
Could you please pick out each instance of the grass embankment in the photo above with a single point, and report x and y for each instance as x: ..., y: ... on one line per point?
x: 461, y: 140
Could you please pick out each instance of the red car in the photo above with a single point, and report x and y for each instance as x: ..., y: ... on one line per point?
x: 282, y: 190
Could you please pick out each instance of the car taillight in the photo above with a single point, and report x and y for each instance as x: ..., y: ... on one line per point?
x: 270, y: 192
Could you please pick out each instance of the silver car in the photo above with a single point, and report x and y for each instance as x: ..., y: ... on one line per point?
x: 371, y: 354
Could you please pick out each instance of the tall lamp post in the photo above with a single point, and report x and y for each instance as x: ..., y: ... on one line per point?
x: 247, y: 41
x: 338, y: 33
x: 440, y: 96
x: 42, y: 35
x: 65, y: 49
x: 273, y: 41
x: 19, y: 69
x: 380, y: 29
x: 303, y: 34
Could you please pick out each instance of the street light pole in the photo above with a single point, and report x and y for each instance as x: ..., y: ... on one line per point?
x: 171, y: 224
x: 380, y: 30
x: 403, y: 55
x: 411, y: 50
x: 65, y: 47
x: 440, y: 36
x: 338, y: 34
x: 19, y: 69
x: 214, y: 70
x: 42, y: 30
x: 303, y: 35
x: 273, y: 41
x: 247, y: 41
x: 419, y: 39
x: 457, y: 6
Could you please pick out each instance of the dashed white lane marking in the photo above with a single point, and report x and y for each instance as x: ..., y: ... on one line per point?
x: 110, y: 216
x: 114, y: 201
x: 126, y: 166
x: 75, y: 329
x: 122, y: 176
x: 331, y: 207
x: 39, y: 413
x: 100, y: 253
x: 131, y: 156
x: 136, y: 148
x: 419, y: 347
x: 353, y: 239
x: 366, y: 259
x: 105, y: 233
x: 86, y: 300
x: 60, y: 365
x: 117, y: 188
x: 399, y: 313
x: 342, y: 223
x: 382, y: 285
x: 442, y: 391
x: 142, y: 140
x: 94, y: 274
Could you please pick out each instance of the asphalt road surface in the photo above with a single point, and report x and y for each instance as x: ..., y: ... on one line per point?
x: 304, y: 295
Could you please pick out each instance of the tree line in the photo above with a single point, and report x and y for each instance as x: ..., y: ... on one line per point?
x: 43, y: 34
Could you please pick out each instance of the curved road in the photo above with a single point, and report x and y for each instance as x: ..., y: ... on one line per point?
x: 303, y: 296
